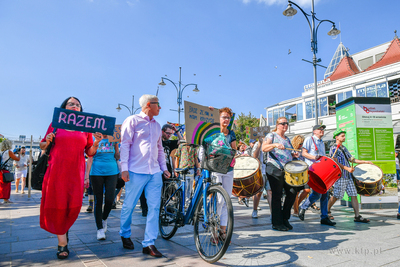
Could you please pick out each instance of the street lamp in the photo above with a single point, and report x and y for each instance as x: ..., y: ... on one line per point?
x: 179, y: 90
x: 131, y: 111
x: 289, y: 13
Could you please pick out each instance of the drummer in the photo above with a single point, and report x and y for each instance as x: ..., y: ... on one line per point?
x: 345, y: 183
x: 276, y: 143
x: 313, y: 149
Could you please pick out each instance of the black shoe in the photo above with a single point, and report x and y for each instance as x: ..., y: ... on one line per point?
x: 398, y: 216
x: 280, y: 227
x: 287, y: 224
x: 127, y: 243
x: 301, y: 214
x: 89, y: 209
x: 144, y: 213
x: 114, y: 206
x: 62, y: 250
x: 326, y: 221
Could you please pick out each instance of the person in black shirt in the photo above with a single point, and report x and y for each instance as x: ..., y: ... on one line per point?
x: 169, y: 145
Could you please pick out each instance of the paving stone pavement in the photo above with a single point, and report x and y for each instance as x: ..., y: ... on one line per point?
x: 254, y: 243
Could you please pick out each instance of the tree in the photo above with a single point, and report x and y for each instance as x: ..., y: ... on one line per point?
x: 242, y: 122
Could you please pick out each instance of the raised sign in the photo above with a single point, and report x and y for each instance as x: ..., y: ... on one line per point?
x: 116, y: 137
x: 82, y: 121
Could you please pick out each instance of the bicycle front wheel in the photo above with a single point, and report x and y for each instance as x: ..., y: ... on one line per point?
x: 213, y: 236
x: 169, y: 211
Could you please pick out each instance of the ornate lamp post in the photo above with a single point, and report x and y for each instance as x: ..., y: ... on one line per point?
x: 179, y: 91
x: 290, y: 12
x: 132, y: 110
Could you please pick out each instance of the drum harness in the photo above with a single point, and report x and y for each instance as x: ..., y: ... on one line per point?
x: 348, y: 161
x: 273, y: 156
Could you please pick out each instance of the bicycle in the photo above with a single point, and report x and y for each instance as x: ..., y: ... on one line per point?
x: 211, y: 238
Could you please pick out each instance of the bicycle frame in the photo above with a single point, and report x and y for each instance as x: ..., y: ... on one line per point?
x: 201, y: 188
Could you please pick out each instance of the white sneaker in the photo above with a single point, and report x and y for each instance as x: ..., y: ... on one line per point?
x: 101, y: 235
x: 254, y: 214
x: 104, y: 225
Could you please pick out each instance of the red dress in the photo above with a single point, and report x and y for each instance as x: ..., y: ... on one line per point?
x: 62, y: 189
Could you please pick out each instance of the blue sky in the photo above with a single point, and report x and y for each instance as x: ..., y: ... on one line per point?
x: 105, y: 51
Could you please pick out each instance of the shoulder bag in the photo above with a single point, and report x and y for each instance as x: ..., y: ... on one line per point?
x: 41, y: 167
x: 7, y: 177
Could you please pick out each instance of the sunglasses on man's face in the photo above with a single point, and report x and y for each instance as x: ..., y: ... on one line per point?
x: 158, y: 103
x: 284, y: 123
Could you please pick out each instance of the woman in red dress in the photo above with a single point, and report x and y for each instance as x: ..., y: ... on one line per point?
x: 62, y: 188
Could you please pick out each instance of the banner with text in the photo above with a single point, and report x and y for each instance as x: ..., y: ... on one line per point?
x: 200, y: 122
x: 82, y: 121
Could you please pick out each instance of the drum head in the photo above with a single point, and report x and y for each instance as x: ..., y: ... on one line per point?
x: 296, y: 166
x: 245, y: 166
x: 367, y: 173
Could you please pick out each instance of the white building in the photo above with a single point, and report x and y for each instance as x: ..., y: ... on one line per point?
x: 374, y: 72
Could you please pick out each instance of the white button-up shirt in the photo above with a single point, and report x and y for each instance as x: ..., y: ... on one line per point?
x: 141, y: 145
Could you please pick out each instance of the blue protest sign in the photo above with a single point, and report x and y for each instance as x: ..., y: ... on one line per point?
x: 82, y: 121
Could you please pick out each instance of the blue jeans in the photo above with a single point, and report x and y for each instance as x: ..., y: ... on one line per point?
x: 151, y: 184
x: 314, y: 196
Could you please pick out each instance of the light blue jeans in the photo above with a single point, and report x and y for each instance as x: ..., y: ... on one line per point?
x: 151, y: 184
x: 314, y: 196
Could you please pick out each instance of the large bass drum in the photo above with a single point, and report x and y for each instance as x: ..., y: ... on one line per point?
x: 368, y: 179
x: 247, y: 177
x: 323, y: 174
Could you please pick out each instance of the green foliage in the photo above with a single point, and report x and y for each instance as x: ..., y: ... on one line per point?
x: 2, y: 139
x: 243, y: 121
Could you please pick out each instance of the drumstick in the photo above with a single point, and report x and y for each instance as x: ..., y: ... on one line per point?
x: 337, y: 148
x: 292, y: 149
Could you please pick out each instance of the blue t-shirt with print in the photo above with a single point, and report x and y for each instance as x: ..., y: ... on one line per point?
x: 230, y: 137
x: 104, y: 162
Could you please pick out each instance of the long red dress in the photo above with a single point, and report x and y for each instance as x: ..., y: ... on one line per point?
x: 62, y: 189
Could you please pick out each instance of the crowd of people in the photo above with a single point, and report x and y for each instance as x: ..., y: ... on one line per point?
x: 147, y: 155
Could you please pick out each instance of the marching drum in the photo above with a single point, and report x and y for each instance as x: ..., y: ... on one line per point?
x: 323, y: 174
x: 296, y: 173
x: 247, y: 177
x: 368, y: 179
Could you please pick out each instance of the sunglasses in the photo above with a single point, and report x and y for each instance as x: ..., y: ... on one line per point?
x: 70, y: 104
x: 167, y: 133
x: 284, y: 123
x: 158, y: 103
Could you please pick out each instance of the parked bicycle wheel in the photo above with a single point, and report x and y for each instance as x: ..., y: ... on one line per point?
x: 212, y: 239
x: 169, y: 210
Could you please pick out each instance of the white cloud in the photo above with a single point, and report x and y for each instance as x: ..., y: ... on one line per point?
x: 132, y: 3
x: 302, y: 3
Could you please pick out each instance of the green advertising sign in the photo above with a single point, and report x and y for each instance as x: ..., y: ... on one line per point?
x: 369, y: 133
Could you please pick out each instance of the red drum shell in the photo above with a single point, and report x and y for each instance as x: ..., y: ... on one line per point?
x: 323, y: 174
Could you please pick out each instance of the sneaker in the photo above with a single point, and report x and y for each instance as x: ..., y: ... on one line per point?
x: 101, y: 235
x: 214, y: 241
x: 301, y: 214
x: 89, y: 208
x: 258, y: 208
x: 104, y: 225
x: 254, y: 215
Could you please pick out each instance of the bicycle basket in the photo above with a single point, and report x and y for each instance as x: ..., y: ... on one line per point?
x: 217, y: 158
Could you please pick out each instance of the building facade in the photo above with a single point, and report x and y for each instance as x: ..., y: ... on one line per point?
x: 374, y: 72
